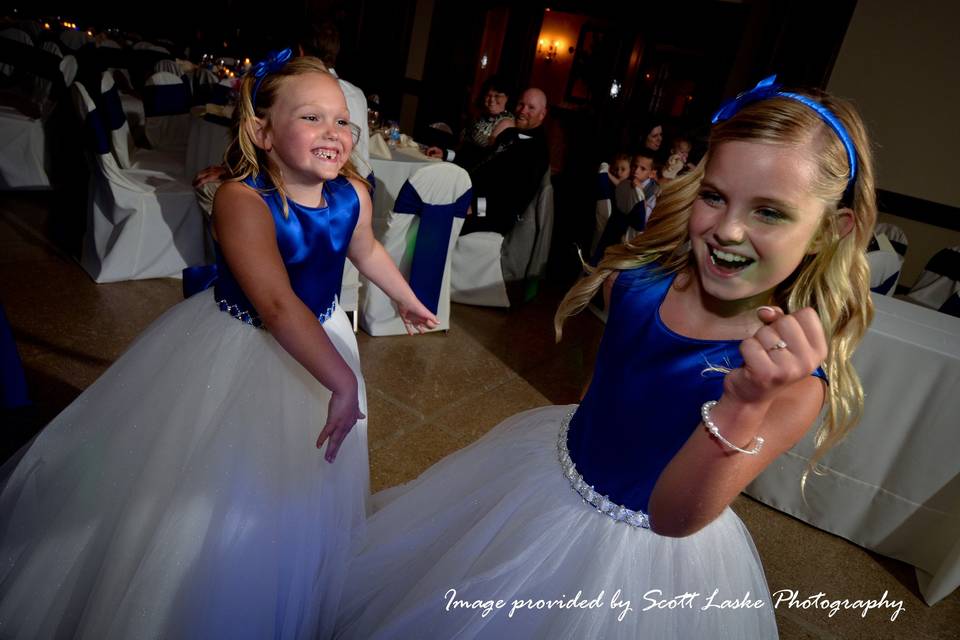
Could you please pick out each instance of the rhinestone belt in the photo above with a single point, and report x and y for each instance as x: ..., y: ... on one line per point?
x: 602, y: 503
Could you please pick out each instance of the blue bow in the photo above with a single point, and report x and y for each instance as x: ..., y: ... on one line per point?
x: 768, y: 88
x: 274, y: 62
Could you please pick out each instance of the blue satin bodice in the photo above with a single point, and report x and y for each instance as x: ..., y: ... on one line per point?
x: 644, y: 400
x: 313, y: 243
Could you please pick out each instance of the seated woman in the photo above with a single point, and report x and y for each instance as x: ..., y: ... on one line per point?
x: 479, y: 134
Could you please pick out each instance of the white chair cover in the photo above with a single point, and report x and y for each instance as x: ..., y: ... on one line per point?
x: 885, y: 267
x: 107, y: 43
x: 143, y: 45
x: 492, y: 270
x: 73, y: 39
x: 421, y: 233
x: 17, y: 35
x: 604, y: 205
x: 167, y: 66
x: 477, y: 277
x: 51, y: 47
x: 895, y: 235
x: 122, y: 144
x: 140, y: 224
x: 166, y: 104
x: 25, y: 159
x: 939, y: 283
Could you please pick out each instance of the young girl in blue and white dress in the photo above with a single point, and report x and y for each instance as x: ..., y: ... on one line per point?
x: 611, y: 519
x: 183, y: 494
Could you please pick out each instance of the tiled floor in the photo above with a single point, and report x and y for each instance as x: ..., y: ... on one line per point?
x: 428, y: 396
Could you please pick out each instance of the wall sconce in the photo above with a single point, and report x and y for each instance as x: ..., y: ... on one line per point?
x: 549, y: 52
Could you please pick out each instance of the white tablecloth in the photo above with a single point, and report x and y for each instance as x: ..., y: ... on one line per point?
x: 893, y: 485
x: 206, y: 143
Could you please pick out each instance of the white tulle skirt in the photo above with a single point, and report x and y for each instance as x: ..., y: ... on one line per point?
x: 492, y: 542
x: 182, y: 495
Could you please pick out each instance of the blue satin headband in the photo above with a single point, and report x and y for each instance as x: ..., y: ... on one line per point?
x: 274, y: 62
x: 768, y: 88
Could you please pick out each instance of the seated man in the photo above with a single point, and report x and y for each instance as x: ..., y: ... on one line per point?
x: 506, y: 183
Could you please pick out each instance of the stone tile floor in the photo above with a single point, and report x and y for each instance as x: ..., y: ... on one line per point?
x: 428, y: 396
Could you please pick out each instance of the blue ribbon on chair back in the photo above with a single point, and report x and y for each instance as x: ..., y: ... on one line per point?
x: 433, y: 239
x: 166, y: 100
x: 97, y: 133
x: 112, y: 108
x: 884, y: 287
x: 220, y: 94
x: 13, y: 382
x: 199, y: 278
x: 604, y: 186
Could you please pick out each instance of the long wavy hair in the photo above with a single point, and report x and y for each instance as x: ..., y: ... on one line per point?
x: 243, y: 157
x: 835, y: 280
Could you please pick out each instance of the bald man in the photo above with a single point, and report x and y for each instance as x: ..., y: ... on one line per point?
x: 506, y: 183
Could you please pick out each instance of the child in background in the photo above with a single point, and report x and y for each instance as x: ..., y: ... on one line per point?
x: 619, y: 168
x: 210, y: 483
x: 677, y: 161
x: 750, y: 275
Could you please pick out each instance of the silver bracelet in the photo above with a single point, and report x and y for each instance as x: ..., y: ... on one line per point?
x: 715, y: 431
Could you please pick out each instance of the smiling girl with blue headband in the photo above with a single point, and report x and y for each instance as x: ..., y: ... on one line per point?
x: 732, y: 320
x: 211, y: 483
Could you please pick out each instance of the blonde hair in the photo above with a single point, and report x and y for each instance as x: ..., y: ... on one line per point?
x: 835, y: 280
x: 244, y: 159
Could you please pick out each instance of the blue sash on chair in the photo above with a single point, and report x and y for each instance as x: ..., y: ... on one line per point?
x: 604, y: 186
x: 432, y: 241
x: 112, y: 108
x: 166, y: 99
x: 96, y: 133
x: 13, y: 383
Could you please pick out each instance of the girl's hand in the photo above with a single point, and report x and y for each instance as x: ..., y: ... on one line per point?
x: 343, y: 412
x: 786, y: 349
x: 416, y: 317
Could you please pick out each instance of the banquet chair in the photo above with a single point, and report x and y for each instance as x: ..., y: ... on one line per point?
x: 26, y: 159
x: 604, y: 189
x: 107, y: 43
x: 207, y: 88
x: 420, y: 236
x: 51, y: 47
x: 885, y: 265
x: 167, y: 65
x: 896, y: 236
x: 73, y: 39
x: 140, y: 224
x: 494, y: 270
x: 122, y: 143
x: 939, y: 283
x: 143, y: 45
x: 166, y: 104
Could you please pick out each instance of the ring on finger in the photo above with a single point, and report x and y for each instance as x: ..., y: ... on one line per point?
x: 780, y: 344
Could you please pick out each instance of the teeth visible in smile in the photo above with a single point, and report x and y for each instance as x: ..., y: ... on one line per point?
x: 326, y: 154
x: 729, y: 257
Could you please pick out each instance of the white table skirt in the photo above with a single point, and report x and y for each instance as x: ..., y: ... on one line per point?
x: 206, y: 143
x: 893, y: 485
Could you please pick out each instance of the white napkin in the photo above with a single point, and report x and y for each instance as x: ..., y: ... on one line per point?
x: 222, y: 110
x: 379, y: 148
